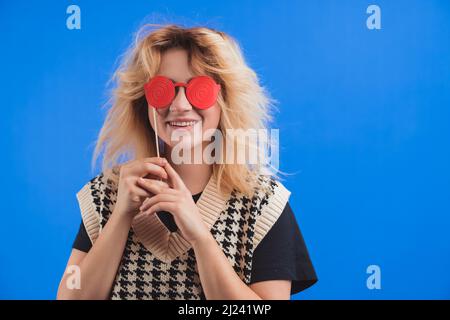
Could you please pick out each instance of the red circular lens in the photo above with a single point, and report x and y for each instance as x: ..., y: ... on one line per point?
x: 202, y: 92
x: 159, y: 92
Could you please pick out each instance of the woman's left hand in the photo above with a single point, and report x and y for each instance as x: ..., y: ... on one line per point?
x: 176, y: 199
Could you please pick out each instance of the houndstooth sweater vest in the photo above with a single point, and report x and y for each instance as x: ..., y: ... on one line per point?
x: 159, y: 264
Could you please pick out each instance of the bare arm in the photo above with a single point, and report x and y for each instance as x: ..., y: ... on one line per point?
x: 220, y: 281
x: 98, y: 267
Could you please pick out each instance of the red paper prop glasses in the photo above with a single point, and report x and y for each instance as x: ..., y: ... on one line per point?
x: 201, y: 91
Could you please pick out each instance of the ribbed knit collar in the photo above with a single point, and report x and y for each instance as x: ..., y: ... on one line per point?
x: 165, y: 245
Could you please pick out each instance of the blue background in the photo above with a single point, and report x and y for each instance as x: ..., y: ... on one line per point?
x: 364, y: 124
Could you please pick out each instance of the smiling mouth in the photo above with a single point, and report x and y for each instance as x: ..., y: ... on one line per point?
x: 182, y: 124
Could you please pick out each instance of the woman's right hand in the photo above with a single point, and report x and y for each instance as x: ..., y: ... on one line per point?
x: 130, y: 195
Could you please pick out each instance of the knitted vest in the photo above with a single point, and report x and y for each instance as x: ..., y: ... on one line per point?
x: 159, y: 264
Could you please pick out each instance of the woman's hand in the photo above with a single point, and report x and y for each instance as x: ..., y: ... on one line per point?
x: 176, y: 199
x: 130, y: 195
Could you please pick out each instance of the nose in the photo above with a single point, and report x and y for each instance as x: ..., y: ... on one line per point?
x: 180, y: 103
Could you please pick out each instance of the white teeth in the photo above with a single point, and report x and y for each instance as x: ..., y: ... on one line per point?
x: 182, y: 123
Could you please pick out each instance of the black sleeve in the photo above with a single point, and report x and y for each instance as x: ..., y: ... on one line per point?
x: 282, y: 255
x: 82, y: 241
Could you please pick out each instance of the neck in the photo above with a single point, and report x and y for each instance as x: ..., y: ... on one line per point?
x: 194, y: 176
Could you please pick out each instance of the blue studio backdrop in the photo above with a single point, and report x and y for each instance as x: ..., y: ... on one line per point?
x: 363, y: 118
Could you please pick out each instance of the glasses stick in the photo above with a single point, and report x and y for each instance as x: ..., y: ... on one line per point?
x: 156, y: 132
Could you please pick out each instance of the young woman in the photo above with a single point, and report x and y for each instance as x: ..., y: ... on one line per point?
x: 155, y: 228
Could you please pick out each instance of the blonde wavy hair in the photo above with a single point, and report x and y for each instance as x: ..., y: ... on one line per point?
x: 244, y: 103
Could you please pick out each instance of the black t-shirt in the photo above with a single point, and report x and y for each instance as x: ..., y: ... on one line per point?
x: 281, y: 254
